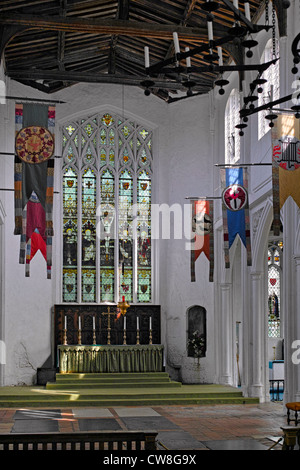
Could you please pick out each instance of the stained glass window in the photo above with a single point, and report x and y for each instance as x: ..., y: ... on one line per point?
x: 69, y: 235
x: 107, y: 177
x: 274, y: 287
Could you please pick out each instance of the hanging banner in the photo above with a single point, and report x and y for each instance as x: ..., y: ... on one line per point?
x: 34, y: 173
x: 285, y: 164
x: 235, y: 209
x: 203, y: 235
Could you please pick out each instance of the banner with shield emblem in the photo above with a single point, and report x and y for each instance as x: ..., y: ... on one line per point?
x: 285, y: 164
x: 33, y: 181
x: 203, y: 234
x: 235, y: 209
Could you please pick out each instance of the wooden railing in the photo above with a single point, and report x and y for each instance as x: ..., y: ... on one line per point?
x: 92, y: 440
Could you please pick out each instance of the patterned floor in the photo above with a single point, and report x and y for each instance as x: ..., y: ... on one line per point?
x: 217, y: 427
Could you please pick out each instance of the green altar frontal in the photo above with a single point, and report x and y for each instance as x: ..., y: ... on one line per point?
x: 110, y: 358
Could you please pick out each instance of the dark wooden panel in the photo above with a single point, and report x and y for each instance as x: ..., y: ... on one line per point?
x: 87, y: 312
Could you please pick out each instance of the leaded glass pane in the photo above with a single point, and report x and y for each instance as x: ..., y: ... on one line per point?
x: 109, y: 158
x: 88, y: 241
x: 107, y: 120
x: 144, y: 237
x: 232, y: 138
x: 107, y: 238
x: 125, y: 236
x: 70, y: 235
x: 271, y: 89
x: 274, y: 288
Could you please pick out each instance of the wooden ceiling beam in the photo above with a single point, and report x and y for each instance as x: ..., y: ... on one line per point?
x: 77, y: 77
x: 107, y: 26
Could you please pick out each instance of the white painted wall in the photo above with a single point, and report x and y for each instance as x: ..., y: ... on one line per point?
x: 189, y: 141
x: 182, y: 148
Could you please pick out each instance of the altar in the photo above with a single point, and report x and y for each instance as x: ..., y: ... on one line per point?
x: 110, y: 358
x: 94, y: 339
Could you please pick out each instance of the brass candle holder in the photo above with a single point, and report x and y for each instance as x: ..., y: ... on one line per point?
x: 79, y: 336
x: 124, y: 336
x: 94, y: 336
x: 137, y: 336
x: 150, y: 337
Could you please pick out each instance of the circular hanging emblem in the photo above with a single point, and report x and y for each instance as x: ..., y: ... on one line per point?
x: 34, y: 144
x: 202, y: 224
x: 234, y: 197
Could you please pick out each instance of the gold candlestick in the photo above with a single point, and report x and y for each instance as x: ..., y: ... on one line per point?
x: 108, y: 313
x: 137, y: 336
x: 79, y: 336
x: 94, y: 336
x: 150, y: 337
x: 124, y: 336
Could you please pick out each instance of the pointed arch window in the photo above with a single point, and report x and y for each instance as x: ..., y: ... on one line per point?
x: 271, y: 89
x: 106, y: 182
x: 274, y: 287
x: 232, y: 137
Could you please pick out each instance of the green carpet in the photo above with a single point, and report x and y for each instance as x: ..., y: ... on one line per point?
x: 118, y: 390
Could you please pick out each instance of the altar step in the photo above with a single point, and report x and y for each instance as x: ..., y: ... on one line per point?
x: 111, y: 390
x: 112, y: 380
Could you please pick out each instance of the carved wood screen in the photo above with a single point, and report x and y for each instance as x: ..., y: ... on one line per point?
x: 88, y: 312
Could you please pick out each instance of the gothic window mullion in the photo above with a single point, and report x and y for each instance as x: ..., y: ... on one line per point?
x: 110, y: 151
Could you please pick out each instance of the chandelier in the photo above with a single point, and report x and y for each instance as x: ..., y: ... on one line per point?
x: 179, y: 66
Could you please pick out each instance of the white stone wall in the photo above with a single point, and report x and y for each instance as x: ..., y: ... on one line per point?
x: 189, y: 141
x: 183, y: 168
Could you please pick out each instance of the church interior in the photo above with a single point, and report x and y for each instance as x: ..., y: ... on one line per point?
x: 150, y: 222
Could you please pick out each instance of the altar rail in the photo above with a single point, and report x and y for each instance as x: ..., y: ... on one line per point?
x: 98, y: 440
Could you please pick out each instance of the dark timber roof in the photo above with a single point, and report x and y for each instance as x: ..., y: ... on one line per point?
x: 50, y: 45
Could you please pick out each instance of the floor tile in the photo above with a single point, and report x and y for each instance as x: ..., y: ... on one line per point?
x: 37, y: 414
x: 35, y: 425
x: 152, y: 423
x: 174, y: 440
x: 105, y: 424
x: 92, y: 413
x: 235, y: 444
x: 125, y: 412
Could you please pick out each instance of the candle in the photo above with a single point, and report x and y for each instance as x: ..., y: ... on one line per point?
x: 150, y: 323
x: 188, y: 59
x: 124, y: 323
x: 236, y: 3
x: 247, y: 11
x: 147, y: 62
x: 210, y: 30
x: 79, y: 323
x: 65, y: 322
x: 176, y: 43
x: 94, y: 323
x: 137, y: 323
x: 220, y: 56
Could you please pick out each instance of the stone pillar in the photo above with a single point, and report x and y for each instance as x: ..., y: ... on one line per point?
x: 257, y: 335
x: 296, y: 366
x: 225, y: 332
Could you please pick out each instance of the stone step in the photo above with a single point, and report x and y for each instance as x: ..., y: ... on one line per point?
x: 114, y: 375
x: 106, y: 402
x: 106, y: 378
x: 109, y: 383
